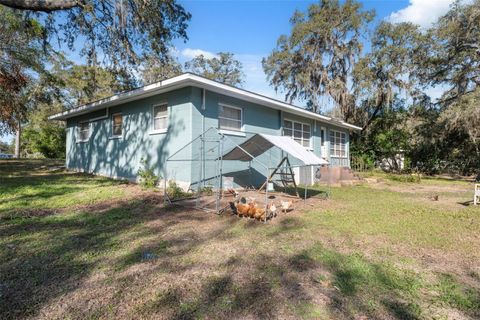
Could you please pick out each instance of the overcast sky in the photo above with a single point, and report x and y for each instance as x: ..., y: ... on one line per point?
x: 250, y: 29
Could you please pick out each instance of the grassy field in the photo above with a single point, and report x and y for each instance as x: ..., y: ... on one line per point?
x: 76, y: 246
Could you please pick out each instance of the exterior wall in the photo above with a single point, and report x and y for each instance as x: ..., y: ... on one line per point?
x: 120, y: 157
x: 256, y: 119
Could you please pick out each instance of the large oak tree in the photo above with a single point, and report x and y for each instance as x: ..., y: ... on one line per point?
x: 317, y: 58
x: 116, y: 34
x: 222, y: 68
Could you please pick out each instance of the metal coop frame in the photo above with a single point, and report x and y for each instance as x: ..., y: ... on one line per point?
x: 217, y: 163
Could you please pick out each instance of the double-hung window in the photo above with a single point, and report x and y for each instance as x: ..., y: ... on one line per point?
x: 338, y: 143
x: 160, y: 117
x: 230, y: 118
x: 300, y: 132
x: 117, y: 122
x: 83, y: 131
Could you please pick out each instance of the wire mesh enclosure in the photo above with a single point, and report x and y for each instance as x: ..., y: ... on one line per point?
x: 228, y: 172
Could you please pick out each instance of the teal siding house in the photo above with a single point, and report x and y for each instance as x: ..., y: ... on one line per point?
x: 110, y: 137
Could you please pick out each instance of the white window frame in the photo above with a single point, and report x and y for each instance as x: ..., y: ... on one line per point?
x: 156, y: 131
x: 335, y: 154
x: 116, y: 136
x: 293, y: 134
x: 79, y: 130
x: 240, y: 132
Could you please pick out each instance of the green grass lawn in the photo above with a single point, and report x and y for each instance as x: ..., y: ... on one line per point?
x: 76, y: 246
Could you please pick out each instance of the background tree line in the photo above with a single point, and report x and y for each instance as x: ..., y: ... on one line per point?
x: 334, y: 59
x: 384, y: 89
x: 133, y: 39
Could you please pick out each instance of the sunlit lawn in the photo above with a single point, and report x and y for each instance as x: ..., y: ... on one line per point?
x: 78, y: 246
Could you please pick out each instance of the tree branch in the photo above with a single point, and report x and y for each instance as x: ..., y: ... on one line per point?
x: 41, y: 5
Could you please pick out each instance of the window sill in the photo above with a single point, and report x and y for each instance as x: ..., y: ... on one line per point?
x: 82, y: 141
x: 115, y: 137
x: 232, y: 133
x: 338, y: 157
x: 158, y: 132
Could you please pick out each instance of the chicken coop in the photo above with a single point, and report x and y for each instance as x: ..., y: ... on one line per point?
x: 251, y: 175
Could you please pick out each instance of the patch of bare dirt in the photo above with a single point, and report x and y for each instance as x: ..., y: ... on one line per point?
x: 182, y: 263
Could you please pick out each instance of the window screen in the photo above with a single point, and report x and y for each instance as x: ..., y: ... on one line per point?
x: 117, y: 121
x: 84, y: 131
x: 160, y: 117
x: 300, y: 132
x: 338, y: 143
x: 229, y: 118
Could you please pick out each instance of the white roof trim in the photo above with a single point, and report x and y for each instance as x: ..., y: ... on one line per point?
x: 188, y: 79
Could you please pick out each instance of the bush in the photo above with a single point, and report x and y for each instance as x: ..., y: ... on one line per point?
x: 174, y: 191
x: 207, y: 190
x: 148, y: 179
x: 35, y: 155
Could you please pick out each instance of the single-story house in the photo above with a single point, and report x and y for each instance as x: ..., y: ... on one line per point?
x: 111, y: 136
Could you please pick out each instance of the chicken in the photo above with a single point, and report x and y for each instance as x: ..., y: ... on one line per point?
x: 233, y: 208
x: 286, y: 205
x: 252, y: 209
x: 232, y: 192
x: 242, y: 209
x: 272, y: 210
x: 260, y: 214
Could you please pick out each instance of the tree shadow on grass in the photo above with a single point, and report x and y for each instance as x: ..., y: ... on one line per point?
x: 43, y: 188
x: 50, y: 256
x: 264, y: 286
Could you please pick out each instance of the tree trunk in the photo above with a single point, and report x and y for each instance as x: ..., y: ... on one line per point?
x: 17, y: 141
x: 41, y: 5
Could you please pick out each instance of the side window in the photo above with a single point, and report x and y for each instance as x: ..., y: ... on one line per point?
x: 338, y: 144
x: 160, y: 117
x: 230, y: 118
x: 83, y: 131
x: 306, y: 132
x: 300, y: 132
x: 117, y: 121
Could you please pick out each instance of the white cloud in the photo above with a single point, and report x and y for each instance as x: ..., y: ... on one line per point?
x: 192, y: 53
x: 421, y: 12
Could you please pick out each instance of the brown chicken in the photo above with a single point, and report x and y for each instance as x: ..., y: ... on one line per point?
x: 252, y: 209
x: 232, y: 192
x: 242, y: 209
x: 260, y: 214
x: 271, y: 211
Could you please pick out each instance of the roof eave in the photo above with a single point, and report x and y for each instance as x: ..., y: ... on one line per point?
x: 189, y: 79
x: 142, y: 92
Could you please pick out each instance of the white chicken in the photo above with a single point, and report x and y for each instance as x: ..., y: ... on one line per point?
x: 272, y: 210
x: 286, y: 205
